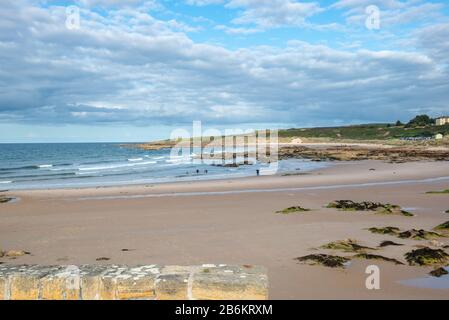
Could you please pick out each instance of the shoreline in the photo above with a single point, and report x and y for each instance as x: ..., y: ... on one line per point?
x: 384, y: 173
x: 136, y: 225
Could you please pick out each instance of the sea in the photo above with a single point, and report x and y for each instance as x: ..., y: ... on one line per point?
x: 79, y: 165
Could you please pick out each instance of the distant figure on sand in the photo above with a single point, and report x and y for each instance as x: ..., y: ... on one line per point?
x: 258, y: 172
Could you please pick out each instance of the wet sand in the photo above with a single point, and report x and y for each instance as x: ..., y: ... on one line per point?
x: 234, y: 222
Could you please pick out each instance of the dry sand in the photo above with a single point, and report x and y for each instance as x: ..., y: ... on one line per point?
x: 234, y: 222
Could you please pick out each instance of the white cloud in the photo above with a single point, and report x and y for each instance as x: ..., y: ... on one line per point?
x: 273, y: 13
x: 393, y: 12
x: 201, y: 3
x: 129, y: 67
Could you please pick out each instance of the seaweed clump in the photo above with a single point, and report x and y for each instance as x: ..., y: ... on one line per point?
x: 439, y: 272
x: 293, y: 210
x: 438, y: 192
x: 346, y: 246
x: 388, y: 243
x: 426, y: 257
x: 385, y: 230
x: 376, y: 257
x: 5, y: 199
x: 379, y: 208
x: 419, y: 235
x: 324, y: 260
x: 444, y: 228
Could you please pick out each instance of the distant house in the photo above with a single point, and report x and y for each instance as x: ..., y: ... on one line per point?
x: 439, y: 136
x: 441, y: 121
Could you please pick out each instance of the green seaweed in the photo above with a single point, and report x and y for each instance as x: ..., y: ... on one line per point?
x: 324, y: 260
x: 376, y: 257
x: 293, y: 210
x: 444, y: 227
x: 385, y: 230
x: 427, y: 257
x: 389, y: 243
x: 438, y: 192
x: 346, y: 246
x: 419, y: 235
x: 378, y: 208
x: 5, y: 199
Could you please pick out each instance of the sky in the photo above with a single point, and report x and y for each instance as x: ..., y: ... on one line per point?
x: 135, y: 70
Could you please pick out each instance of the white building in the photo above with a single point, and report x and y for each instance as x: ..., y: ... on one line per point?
x: 439, y: 136
x: 441, y: 121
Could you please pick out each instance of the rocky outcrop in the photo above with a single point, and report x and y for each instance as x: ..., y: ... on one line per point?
x: 351, y: 153
x: 115, y: 282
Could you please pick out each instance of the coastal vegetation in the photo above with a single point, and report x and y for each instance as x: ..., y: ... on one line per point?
x: 421, y: 126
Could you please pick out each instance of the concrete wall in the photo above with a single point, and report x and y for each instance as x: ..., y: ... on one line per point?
x: 93, y: 282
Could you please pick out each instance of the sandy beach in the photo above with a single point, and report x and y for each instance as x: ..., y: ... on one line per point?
x: 235, y: 222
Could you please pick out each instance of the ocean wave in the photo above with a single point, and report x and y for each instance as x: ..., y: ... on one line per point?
x: 5, y: 182
x: 116, y: 166
x: 155, y: 158
x: 135, y: 159
x: 43, y: 166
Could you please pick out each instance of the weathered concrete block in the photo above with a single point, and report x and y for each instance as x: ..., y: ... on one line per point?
x: 172, y: 286
x: 130, y: 283
x: 137, y: 283
x: 24, y: 284
x: 230, y: 283
x: 63, y: 284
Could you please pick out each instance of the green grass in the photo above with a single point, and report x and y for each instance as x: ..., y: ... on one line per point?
x: 365, y: 132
